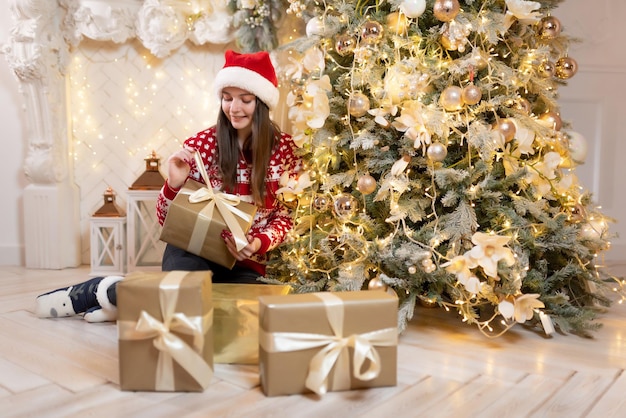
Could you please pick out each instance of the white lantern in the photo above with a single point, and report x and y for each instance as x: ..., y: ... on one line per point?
x: 108, y: 238
x: 144, y: 249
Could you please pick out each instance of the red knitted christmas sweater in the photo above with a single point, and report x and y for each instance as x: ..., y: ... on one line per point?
x: 272, y: 221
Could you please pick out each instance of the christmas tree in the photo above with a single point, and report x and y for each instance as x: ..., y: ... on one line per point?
x: 437, y: 163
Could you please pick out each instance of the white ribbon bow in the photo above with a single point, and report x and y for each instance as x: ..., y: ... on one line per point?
x: 226, y: 205
x: 171, y: 347
x: 335, y: 351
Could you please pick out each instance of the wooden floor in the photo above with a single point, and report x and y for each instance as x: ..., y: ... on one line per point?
x: 68, y: 367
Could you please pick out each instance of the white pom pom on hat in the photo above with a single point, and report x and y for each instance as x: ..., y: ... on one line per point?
x: 253, y: 72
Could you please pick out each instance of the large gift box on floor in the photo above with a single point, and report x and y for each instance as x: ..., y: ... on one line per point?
x: 236, y: 320
x: 198, y: 215
x: 165, y: 336
x: 327, y: 341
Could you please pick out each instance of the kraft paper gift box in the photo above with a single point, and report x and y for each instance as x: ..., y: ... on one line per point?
x: 165, y: 336
x: 327, y: 341
x: 198, y: 215
x: 236, y: 320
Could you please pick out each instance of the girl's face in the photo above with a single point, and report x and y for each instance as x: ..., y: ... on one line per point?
x: 238, y: 106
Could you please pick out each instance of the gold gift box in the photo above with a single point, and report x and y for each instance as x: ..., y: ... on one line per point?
x: 171, y: 311
x: 183, y: 217
x: 236, y: 320
x: 289, y: 324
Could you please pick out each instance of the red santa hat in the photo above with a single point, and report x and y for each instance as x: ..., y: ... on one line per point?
x: 252, y: 72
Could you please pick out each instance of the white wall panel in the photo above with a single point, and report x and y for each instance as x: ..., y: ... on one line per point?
x: 593, y: 102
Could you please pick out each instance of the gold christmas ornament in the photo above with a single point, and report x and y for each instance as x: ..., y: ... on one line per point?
x: 426, y: 302
x: 471, y: 94
x: 546, y: 69
x: 320, y: 203
x: 450, y: 98
x: 358, y: 104
x: 376, y: 284
x: 366, y: 184
x: 446, y: 10
x: 447, y: 43
x: 523, y: 105
x: 345, y: 205
x: 345, y: 45
x: 478, y: 60
x: 579, y: 213
x: 549, y: 27
x: 397, y: 22
x: 437, y: 152
x: 552, y: 120
x: 371, y: 32
x: 506, y: 127
x: 566, y: 67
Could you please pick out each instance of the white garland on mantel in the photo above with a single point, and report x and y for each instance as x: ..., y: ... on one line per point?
x: 161, y: 25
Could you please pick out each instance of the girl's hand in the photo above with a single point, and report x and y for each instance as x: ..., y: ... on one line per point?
x: 246, y: 252
x: 178, y: 168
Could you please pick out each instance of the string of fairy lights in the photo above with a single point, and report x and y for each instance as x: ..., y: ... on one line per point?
x: 345, y: 232
x: 123, y: 104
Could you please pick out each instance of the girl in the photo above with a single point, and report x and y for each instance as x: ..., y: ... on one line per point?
x: 244, y: 154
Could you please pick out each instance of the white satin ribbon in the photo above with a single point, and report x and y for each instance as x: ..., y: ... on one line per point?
x: 335, y: 352
x: 171, y: 347
x: 226, y: 205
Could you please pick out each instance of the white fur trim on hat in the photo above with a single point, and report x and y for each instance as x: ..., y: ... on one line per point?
x: 248, y: 80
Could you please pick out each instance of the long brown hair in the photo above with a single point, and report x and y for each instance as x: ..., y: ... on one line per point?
x: 259, y: 146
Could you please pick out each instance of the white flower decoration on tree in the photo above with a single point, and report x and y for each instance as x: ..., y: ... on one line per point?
x: 568, y: 184
x: 489, y: 250
x: 292, y: 187
x: 510, y: 159
x: 380, y: 113
x: 313, y: 109
x: 520, y: 308
x: 314, y: 60
x: 411, y: 122
x: 162, y: 28
x: 461, y: 266
x: 541, y: 173
x: 524, y: 138
x: 521, y: 10
x: 400, y: 165
x: 512, y: 152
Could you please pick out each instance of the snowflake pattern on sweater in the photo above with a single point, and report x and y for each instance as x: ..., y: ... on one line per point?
x: 274, y: 220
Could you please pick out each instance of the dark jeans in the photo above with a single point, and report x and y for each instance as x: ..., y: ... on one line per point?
x: 175, y: 258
